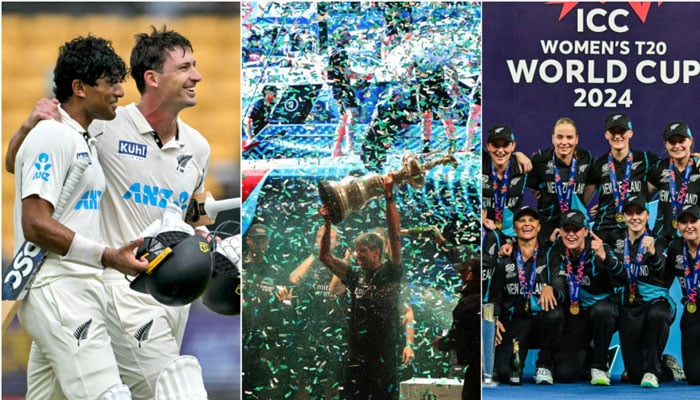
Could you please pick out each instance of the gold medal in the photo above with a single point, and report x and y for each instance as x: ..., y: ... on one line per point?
x: 674, y: 224
x: 619, y: 218
x: 499, y: 225
x: 574, y: 309
x: 632, y: 298
x: 691, y: 307
x: 527, y: 306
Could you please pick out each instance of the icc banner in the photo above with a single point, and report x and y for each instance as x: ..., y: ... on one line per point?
x: 585, y: 60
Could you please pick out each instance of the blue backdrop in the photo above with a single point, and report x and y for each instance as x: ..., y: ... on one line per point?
x: 543, y: 61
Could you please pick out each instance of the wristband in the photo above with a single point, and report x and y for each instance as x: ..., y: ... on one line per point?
x: 409, y: 345
x: 390, y: 198
x: 202, y: 230
x: 85, y: 251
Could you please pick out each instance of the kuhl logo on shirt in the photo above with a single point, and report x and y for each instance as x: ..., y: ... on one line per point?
x: 136, y: 151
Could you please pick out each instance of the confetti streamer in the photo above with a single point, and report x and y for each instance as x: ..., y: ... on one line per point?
x: 302, y: 347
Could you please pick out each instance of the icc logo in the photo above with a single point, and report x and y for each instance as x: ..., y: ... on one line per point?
x: 600, y: 20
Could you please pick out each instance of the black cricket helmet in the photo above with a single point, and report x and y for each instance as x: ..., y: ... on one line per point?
x: 223, y: 295
x: 180, y: 267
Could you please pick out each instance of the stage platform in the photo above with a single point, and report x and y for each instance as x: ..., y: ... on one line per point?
x: 584, y: 391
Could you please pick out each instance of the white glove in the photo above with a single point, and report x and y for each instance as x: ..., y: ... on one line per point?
x: 171, y: 220
x: 231, y: 249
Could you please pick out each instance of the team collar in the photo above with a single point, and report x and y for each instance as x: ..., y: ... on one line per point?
x: 68, y: 120
x: 144, y: 128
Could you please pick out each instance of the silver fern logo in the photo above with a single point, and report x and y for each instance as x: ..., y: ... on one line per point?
x: 81, y: 332
x: 143, y: 332
x: 182, y: 161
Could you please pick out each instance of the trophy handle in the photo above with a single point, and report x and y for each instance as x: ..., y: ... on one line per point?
x: 413, y: 172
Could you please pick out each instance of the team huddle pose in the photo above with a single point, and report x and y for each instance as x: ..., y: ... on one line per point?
x: 565, y: 275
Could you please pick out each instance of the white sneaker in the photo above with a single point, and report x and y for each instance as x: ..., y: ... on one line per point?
x: 649, y: 381
x: 544, y: 375
x: 599, y: 377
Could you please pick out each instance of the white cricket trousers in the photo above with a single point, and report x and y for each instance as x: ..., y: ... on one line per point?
x: 146, y: 335
x: 71, y: 355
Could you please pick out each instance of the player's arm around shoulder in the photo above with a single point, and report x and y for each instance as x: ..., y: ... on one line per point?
x: 43, y: 110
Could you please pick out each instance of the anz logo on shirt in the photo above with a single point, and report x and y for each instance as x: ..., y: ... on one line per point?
x: 42, y: 167
x: 141, y: 193
x: 90, y: 200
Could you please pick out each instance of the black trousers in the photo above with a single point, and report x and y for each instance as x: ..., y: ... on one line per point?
x: 690, y: 346
x: 372, y: 376
x: 574, y: 356
x: 644, y: 331
x: 541, y: 332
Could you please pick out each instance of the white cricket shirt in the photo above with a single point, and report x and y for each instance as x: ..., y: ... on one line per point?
x: 42, y: 164
x: 141, y: 177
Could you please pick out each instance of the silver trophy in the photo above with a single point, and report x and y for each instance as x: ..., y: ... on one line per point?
x: 350, y: 194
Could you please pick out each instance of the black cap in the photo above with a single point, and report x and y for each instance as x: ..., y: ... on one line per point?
x: 523, y: 210
x: 690, y: 209
x: 258, y: 230
x: 270, y: 88
x: 500, y: 132
x: 677, y: 128
x: 618, y: 119
x: 638, y: 201
x: 574, y: 218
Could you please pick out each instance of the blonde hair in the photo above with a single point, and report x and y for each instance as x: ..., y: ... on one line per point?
x: 565, y: 120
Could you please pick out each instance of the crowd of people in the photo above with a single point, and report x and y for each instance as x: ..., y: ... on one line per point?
x: 565, y: 275
x: 415, y: 78
x: 343, y: 321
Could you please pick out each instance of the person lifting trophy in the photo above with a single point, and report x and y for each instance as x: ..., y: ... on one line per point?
x: 350, y: 194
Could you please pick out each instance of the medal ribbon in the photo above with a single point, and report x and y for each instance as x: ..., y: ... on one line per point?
x: 633, y: 270
x: 564, y: 198
x: 525, y: 285
x: 574, y: 279
x: 692, y: 273
x: 620, y: 192
x: 678, y: 200
x: 500, y: 190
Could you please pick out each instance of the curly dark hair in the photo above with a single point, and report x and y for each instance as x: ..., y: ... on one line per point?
x: 150, y: 52
x: 87, y: 59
